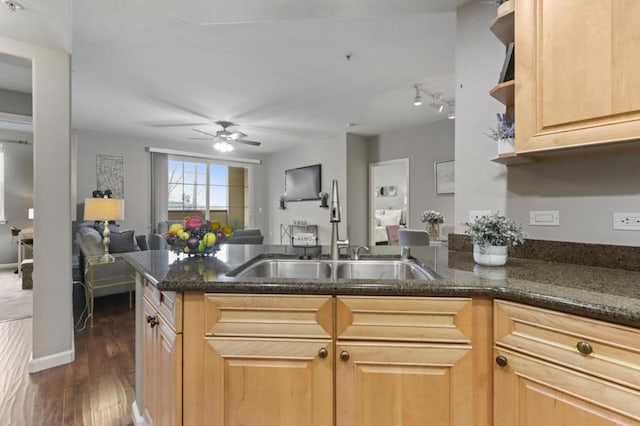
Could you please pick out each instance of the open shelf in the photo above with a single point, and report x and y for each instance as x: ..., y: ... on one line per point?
x: 512, y: 159
x: 502, y: 27
x: 504, y: 92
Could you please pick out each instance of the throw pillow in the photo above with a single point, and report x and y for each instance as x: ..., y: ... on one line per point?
x: 387, y: 220
x: 122, y: 242
x: 396, y: 212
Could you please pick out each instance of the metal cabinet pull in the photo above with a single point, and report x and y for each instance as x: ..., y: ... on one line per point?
x: 344, y: 355
x: 501, y: 360
x: 584, y: 348
x: 323, y: 353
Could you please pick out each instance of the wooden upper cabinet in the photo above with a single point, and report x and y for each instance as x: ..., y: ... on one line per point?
x: 578, y: 73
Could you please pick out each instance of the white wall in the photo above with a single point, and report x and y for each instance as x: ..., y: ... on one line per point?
x: 332, y: 154
x: 585, y: 189
x: 137, y: 173
x: 423, y: 145
x: 391, y: 175
x: 13, y: 102
x: 52, y: 305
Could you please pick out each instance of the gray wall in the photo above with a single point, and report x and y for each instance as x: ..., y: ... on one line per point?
x: 332, y: 154
x: 585, y: 189
x: 13, y: 102
x: 18, y: 169
x: 137, y: 173
x: 480, y: 184
x: 423, y: 145
x: 357, y: 189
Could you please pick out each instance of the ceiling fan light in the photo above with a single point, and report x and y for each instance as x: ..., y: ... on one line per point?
x: 223, y: 146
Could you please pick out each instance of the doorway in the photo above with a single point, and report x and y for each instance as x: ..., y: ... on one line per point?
x: 389, y: 198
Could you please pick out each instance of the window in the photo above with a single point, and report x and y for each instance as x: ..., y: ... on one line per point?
x: 213, y: 191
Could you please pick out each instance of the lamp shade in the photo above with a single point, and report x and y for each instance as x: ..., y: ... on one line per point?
x: 103, y: 209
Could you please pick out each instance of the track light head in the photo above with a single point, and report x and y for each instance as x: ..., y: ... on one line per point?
x: 417, y: 101
x: 452, y: 114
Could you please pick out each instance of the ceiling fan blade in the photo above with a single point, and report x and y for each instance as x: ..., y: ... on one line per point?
x: 254, y: 143
x: 237, y: 135
x: 204, y: 133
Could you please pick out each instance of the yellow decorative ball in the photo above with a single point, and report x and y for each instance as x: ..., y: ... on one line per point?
x: 214, y: 226
x: 227, y: 230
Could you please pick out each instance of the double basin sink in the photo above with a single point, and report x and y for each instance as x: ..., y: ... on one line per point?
x: 373, y: 269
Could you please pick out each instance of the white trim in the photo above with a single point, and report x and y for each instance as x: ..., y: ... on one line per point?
x: 207, y: 156
x: 16, y: 118
x: 137, y: 418
x: 8, y: 265
x: 51, y: 361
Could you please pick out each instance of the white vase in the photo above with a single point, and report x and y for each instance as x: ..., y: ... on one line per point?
x: 490, y: 255
x: 506, y: 146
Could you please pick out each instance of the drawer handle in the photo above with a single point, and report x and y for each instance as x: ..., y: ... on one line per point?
x: 152, y: 321
x: 344, y: 355
x: 323, y: 353
x: 501, y: 360
x: 584, y: 348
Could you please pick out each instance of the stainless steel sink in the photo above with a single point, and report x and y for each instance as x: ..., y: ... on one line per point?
x: 383, y: 270
x: 285, y: 268
x: 374, y: 269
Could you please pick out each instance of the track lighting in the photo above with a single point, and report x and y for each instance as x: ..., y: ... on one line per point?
x: 437, y: 101
x: 417, y: 101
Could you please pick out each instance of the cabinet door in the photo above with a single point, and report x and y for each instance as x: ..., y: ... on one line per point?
x: 532, y: 392
x: 169, y: 373
x: 577, y: 79
x: 395, y: 384
x: 149, y: 362
x: 268, y: 382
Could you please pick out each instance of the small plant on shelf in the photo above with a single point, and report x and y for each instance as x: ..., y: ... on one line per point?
x: 504, y: 133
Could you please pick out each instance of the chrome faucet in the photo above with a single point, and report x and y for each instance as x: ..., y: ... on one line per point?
x: 355, y: 252
x: 334, y: 218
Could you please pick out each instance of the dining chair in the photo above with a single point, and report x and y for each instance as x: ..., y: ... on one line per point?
x: 413, y: 237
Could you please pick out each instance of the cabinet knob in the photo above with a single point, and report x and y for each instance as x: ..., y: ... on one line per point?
x: 323, y: 353
x: 344, y: 355
x: 584, y: 348
x: 501, y: 360
x: 152, y: 321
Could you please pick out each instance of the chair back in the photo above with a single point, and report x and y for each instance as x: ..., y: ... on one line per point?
x: 392, y: 234
x: 413, y: 237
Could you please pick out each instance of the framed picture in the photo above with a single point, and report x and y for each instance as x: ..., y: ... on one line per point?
x: 445, y: 177
x: 507, y: 73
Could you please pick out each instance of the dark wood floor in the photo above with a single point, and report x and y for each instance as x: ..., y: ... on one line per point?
x: 96, y: 389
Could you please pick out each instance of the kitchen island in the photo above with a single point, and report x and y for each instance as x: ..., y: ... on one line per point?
x: 329, y: 340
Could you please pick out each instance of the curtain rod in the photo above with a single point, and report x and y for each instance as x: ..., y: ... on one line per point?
x: 200, y: 155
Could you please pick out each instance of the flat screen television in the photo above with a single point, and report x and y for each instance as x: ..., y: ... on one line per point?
x: 303, y: 183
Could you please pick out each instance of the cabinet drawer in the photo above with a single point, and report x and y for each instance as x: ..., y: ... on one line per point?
x: 268, y: 316
x: 417, y: 319
x: 167, y: 303
x: 611, y: 352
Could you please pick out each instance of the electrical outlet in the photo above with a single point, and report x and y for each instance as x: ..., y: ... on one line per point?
x: 475, y: 214
x: 626, y: 221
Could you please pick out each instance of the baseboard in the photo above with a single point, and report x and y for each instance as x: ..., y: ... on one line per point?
x: 51, y: 361
x: 8, y: 266
x: 137, y: 418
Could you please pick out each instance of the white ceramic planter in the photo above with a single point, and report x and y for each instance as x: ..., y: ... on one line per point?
x: 506, y: 146
x: 490, y: 255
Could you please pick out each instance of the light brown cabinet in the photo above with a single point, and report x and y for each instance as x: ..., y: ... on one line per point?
x: 577, y: 76
x: 398, y: 361
x: 554, y: 368
x: 161, y: 358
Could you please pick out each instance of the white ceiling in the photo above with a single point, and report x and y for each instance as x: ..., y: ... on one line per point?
x: 278, y: 69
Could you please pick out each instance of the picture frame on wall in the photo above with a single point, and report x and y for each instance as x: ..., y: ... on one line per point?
x: 445, y: 177
x: 508, y: 67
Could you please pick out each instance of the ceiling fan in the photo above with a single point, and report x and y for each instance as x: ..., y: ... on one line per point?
x: 224, y: 139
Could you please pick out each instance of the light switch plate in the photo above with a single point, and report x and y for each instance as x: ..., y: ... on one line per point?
x: 544, y: 218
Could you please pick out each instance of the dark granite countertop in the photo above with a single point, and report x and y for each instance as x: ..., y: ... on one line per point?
x: 609, y: 294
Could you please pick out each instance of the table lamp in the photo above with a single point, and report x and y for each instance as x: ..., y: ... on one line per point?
x: 104, y: 209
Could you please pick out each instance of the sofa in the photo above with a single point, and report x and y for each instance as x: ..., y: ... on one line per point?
x: 88, y: 238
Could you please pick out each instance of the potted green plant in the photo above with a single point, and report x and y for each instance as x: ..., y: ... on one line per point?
x: 504, y: 133
x: 491, y: 236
